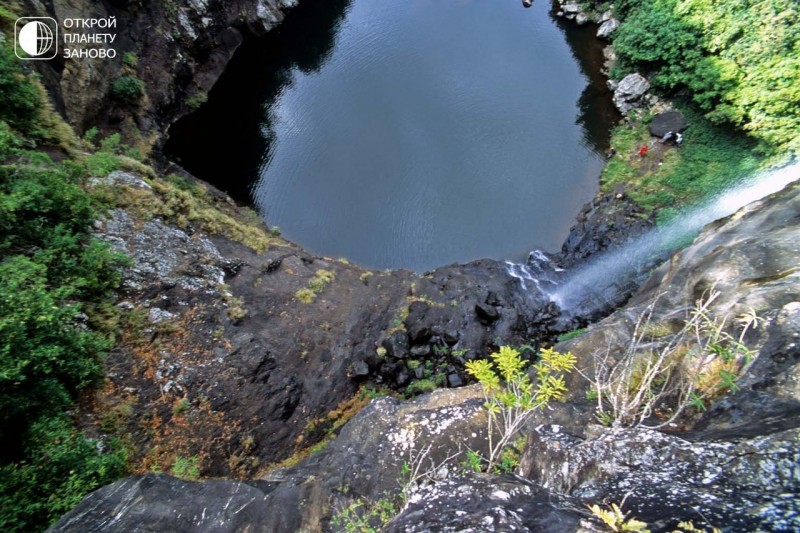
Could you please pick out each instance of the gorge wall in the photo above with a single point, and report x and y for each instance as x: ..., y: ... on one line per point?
x: 242, y: 349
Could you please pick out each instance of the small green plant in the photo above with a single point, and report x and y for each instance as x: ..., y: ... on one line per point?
x: 197, y: 100
x: 186, y: 467
x: 511, y: 396
x: 101, y: 164
x: 363, y: 516
x: 616, y: 520
x: 181, y: 406
x: 316, y: 284
x: 90, y: 136
x: 128, y: 89
x: 472, y: 462
x: 420, y: 386
x: 571, y: 334
x: 671, y: 373
x: 130, y: 59
x: 305, y: 295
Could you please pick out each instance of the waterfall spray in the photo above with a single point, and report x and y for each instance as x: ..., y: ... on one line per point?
x: 605, y: 281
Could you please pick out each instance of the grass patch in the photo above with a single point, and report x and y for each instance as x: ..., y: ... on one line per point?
x: 316, y: 285
x: 710, y: 160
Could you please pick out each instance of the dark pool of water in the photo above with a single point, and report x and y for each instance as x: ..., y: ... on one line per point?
x: 408, y: 133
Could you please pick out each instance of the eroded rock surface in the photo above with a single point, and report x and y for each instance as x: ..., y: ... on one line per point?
x: 629, y: 91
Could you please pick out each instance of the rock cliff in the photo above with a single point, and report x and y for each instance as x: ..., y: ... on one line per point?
x: 733, y: 466
x: 181, y: 49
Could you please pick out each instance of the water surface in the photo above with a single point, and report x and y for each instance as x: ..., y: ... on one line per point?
x: 409, y: 134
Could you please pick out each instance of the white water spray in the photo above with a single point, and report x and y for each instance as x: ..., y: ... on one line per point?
x: 600, y: 282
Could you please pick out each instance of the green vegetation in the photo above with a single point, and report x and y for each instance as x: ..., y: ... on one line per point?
x: 617, y: 520
x: 661, y: 377
x: 574, y: 334
x: 362, y: 516
x: 187, y: 468
x: 739, y: 60
x: 197, y: 100
x: 130, y: 59
x: 511, y: 396
x: 709, y: 160
x: 56, y: 317
x: 316, y: 284
x: 128, y: 89
x: 733, y: 68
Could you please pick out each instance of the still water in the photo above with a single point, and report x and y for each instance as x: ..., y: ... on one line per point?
x: 408, y: 133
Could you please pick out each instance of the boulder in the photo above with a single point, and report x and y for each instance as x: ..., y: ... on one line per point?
x: 486, y: 313
x: 365, y: 460
x: 581, y: 18
x: 571, y: 8
x: 629, y: 91
x: 745, y: 485
x: 669, y: 121
x: 607, y: 28
x: 489, y: 503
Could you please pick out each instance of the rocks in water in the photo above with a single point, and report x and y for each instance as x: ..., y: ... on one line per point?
x: 629, y: 91
x: 669, y: 121
x: 607, y: 27
x: 581, y: 19
x: 571, y: 8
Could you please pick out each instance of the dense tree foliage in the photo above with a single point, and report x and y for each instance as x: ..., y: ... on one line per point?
x: 53, y: 272
x: 739, y: 60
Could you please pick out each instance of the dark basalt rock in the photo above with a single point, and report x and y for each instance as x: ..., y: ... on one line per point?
x: 669, y: 121
x: 488, y: 503
x: 396, y: 345
x: 163, y: 503
x: 486, y: 313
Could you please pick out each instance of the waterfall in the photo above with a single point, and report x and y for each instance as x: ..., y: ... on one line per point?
x: 605, y: 281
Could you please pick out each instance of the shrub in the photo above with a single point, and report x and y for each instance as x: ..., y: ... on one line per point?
x: 511, y: 396
x: 128, y: 89
x: 738, y: 59
x: 671, y: 373
x: 195, y: 101
x: 186, y: 467
x: 20, y: 98
x: 130, y: 59
x: 59, y: 466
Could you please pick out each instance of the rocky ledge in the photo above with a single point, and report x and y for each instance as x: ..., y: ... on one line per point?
x: 733, y: 466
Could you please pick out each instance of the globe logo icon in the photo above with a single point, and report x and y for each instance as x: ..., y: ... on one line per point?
x: 37, y: 38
